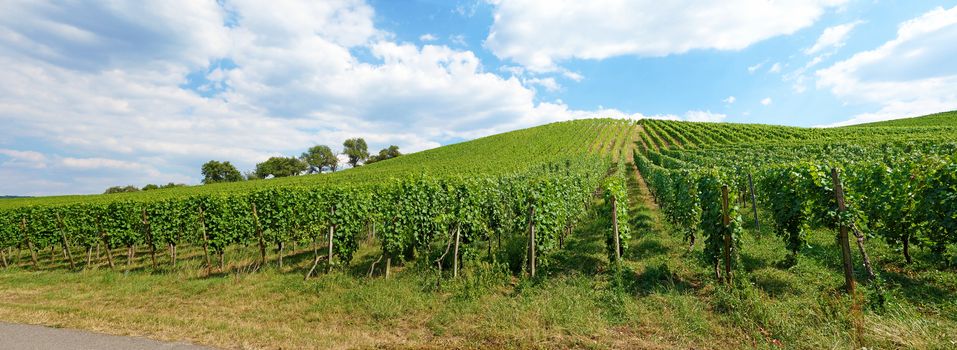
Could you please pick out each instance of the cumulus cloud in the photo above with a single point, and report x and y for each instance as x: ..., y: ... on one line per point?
x: 144, y: 96
x: 29, y: 159
x: 766, y: 101
x: 427, y: 37
x: 911, y: 75
x: 729, y: 100
x: 548, y: 83
x: 832, y: 37
x: 540, y: 34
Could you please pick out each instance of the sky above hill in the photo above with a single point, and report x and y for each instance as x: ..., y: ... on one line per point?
x: 96, y: 94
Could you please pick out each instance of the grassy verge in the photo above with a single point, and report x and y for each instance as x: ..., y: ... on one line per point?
x: 664, y: 297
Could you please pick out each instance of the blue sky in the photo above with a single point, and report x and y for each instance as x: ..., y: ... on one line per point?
x: 97, y: 94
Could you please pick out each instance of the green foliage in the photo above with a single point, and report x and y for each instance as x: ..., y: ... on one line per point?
x: 385, y: 153
x: 473, y: 191
x: 616, y: 191
x: 356, y: 149
x: 280, y: 167
x: 936, y: 119
x: 121, y: 189
x: 712, y: 216
x: 896, y: 180
x: 938, y: 205
x: 121, y: 221
x: 215, y: 171
x: 320, y: 158
x: 784, y: 190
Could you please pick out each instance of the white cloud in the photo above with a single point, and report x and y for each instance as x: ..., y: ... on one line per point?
x: 427, y: 37
x: 704, y: 116
x: 573, y: 75
x: 467, y: 10
x: 29, y: 159
x: 911, y: 75
x: 775, y: 68
x: 185, y: 31
x: 729, y: 100
x: 548, y: 83
x: 691, y: 116
x: 541, y: 34
x: 97, y: 163
x: 754, y: 68
x: 832, y: 37
x: 458, y: 39
x: 151, y: 110
x: 513, y: 70
x: 766, y: 101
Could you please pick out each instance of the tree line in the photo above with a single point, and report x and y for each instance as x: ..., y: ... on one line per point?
x: 317, y: 159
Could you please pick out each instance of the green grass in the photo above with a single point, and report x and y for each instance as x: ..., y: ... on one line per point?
x: 664, y: 298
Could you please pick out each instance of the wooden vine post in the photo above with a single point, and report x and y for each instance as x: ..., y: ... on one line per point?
x: 455, y: 255
x: 89, y: 257
x: 842, y: 233
x: 149, y: 238
x: 388, y: 266
x: 726, y: 221
x: 130, y: 254
x: 172, y: 252
x: 202, y: 223
x: 332, y: 231
x: 282, y: 247
x: 33, y: 252
x: 614, y: 228
x: 259, y: 231
x: 106, y: 244
x: 531, y: 240
x: 754, y: 203
x: 66, y: 244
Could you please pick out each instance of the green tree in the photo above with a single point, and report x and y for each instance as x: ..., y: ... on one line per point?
x: 280, y: 167
x: 215, y: 171
x: 150, y: 187
x: 357, y: 151
x: 385, y: 153
x: 121, y: 189
x: 320, y: 158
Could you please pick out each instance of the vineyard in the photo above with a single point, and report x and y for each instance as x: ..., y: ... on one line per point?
x: 893, y: 183
x: 678, y: 232
x: 534, y: 182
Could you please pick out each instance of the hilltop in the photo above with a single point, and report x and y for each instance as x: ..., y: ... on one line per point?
x: 936, y: 119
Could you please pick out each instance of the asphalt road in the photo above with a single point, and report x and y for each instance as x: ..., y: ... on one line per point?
x: 29, y: 337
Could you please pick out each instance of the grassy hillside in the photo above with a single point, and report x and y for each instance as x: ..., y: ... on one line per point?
x: 936, y: 119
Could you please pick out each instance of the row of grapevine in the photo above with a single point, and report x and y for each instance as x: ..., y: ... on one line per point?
x: 615, y: 190
x: 410, y: 213
x: 896, y: 183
